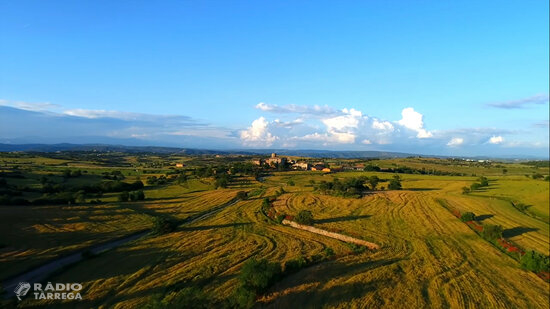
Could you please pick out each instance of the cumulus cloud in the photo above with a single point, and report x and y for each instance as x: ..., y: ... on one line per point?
x: 366, y: 142
x: 521, y: 103
x: 296, y: 109
x: 455, y: 141
x: 413, y: 120
x: 496, y: 140
x: 382, y: 125
x: 258, y: 133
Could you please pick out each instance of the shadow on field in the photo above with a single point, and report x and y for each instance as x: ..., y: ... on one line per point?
x: 315, y: 294
x: 211, y: 227
x: 483, y: 217
x: 421, y: 189
x: 340, y: 219
x: 516, y: 231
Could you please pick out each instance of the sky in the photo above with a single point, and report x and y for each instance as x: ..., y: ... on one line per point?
x: 432, y: 77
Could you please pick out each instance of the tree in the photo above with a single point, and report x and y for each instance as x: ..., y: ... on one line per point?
x: 504, y: 171
x: 395, y: 183
x: 373, y: 182
x: 492, y: 232
x: 305, y: 217
x: 465, y: 190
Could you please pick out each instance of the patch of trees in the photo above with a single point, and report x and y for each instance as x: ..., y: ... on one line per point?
x: 349, y: 187
x: 71, y: 174
x: 113, y: 175
x: 410, y: 170
x: 535, y: 261
x: 255, y: 278
x: 482, y: 182
x: 154, y: 181
x: 132, y: 196
x: 544, y: 163
x: 242, y: 195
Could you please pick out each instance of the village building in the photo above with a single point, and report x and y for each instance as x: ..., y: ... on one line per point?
x: 301, y: 165
x: 275, y: 160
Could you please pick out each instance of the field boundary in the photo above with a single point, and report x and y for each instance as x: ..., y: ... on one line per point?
x: 341, y: 237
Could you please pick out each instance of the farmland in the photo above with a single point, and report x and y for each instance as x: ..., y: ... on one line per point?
x: 427, y: 258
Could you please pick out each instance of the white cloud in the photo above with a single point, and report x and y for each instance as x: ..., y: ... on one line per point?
x: 382, y: 125
x: 258, y: 133
x: 30, y: 106
x: 298, y: 109
x: 455, y: 141
x: 413, y: 120
x: 366, y: 142
x: 496, y: 140
x: 288, y: 124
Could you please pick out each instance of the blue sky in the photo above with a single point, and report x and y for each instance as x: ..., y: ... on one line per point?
x: 442, y: 77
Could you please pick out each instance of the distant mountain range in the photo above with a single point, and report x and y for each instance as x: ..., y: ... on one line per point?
x: 193, y: 151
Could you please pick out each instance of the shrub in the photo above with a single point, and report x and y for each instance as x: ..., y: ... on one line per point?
x: 137, y: 195
x: 305, y: 217
x: 467, y: 216
x: 537, y: 176
x: 475, y: 186
x: 242, y: 195
x: 162, y: 225
x: 123, y: 196
x: 290, y: 182
x: 465, y: 190
x: 535, y: 261
x: 295, y: 265
x: 280, y: 218
x: 491, y: 232
x: 329, y: 253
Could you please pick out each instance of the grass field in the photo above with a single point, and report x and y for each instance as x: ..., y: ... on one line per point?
x: 428, y: 258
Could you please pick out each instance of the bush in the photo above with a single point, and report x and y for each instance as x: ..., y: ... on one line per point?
x: 162, y: 225
x: 467, y: 216
x: 290, y: 182
x: 258, y: 275
x: 329, y: 253
x: 492, y: 232
x: 295, y: 265
x: 137, y: 195
x: 305, y: 217
x: 475, y: 186
x: 535, y: 261
x: 242, y: 195
x: 123, y: 196
x: 465, y: 190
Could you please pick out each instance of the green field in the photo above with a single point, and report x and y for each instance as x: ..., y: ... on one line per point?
x: 428, y: 257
